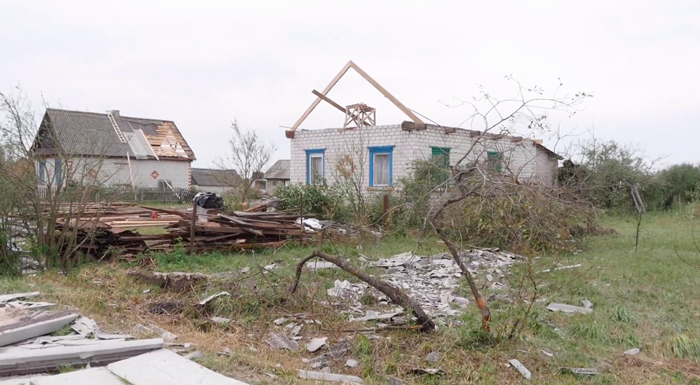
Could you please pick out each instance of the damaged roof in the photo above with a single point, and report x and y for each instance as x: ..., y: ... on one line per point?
x: 214, y: 177
x: 279, y: 170
x: 93, y: 134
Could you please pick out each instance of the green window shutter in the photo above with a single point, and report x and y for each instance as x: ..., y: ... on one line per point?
x: 441, y: 159
x: 495, y: 160
x: 441, y: 152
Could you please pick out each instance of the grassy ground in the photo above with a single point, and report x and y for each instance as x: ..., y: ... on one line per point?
x: 647, y: 299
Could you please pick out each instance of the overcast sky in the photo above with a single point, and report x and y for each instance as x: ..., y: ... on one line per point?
x: 205, y: 63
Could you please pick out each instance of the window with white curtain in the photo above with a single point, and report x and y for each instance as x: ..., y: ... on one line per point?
x: 380, y: 159
x: 381, y: 170
x: 315, y: 166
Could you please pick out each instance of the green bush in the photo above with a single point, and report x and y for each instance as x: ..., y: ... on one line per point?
x: 319, y: 199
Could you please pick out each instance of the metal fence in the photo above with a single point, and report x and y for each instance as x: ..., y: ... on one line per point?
x: 123, y: 194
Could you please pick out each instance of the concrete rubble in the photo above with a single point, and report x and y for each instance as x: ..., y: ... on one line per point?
x: 28, y: 352
x: 564, y: 308
x: 430, y: 280
x: 521, y: 368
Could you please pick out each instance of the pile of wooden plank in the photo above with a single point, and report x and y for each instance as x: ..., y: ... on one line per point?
x: 109, y: 231
x: 241, y: 230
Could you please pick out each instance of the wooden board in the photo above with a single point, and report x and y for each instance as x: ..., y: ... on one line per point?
x: 164, y: 367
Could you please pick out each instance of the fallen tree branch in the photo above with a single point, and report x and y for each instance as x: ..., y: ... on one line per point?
x: 397, y: 296
x: 480, y: 301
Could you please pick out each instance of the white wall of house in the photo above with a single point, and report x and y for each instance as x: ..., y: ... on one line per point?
x: 115, y: 171
x: 520, y: 156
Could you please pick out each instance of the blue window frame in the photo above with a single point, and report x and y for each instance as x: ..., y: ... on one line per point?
x: 315, y: 165
x: 42, y: 172
x: 380, y: 166
x: 58, y: 171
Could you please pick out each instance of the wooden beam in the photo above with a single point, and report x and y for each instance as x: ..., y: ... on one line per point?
x: 329, y: 101
x: 370, y: 80
x: 386, y: 93
x: 318, y: 100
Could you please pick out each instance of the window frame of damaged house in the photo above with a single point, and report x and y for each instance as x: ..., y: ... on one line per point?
x: 313, y: 176
x: 381, y: 166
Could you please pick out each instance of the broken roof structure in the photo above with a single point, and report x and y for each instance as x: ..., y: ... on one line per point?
x: 321, y: 156
x: 109, y: 134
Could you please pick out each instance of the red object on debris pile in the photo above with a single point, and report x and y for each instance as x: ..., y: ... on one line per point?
x: 154, y: 214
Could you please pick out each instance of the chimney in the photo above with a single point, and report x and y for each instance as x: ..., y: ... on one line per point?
x: 115, y: 113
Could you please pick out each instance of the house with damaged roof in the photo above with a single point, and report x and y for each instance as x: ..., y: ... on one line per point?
x: 378, y: 156
x: 108, y: 149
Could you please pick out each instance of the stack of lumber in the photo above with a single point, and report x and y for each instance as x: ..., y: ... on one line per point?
x: 242, y: 230
x: 102, y: 231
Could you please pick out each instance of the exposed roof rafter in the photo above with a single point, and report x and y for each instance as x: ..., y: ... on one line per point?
x: 370, y: 80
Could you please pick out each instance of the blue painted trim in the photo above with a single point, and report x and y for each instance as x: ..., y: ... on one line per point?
x: 310, y: 152
x: 42, y: 172
x: 381, y: 150
x: 58, y: 170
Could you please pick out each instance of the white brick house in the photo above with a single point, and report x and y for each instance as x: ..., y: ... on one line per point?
x: 381, y: 155
x: 108, y: 149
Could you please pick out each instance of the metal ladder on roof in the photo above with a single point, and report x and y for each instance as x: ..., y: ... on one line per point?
x: 120, y: 135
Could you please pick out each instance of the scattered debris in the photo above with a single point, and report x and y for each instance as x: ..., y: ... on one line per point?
x: 317, y: 362
x: 206, y: 301
x: 547, y: 353
x: 431, y: 371
x: 85, y: 326
x: 319, y: 265
x: 377, y: 316
x: 587, y: 304
x: 560, y: 268
x: 345, y: 289
x: 350, y: 363
x: 568, y: 308
x: 280, y: 321
x: 226, y: 351
x: 20, y: 360
x: 338, y: 350
x: 632, y: 352
x: 220, y: 320
x: 167, y: 307
x: 164, y: 334
x: 20, y: 329
x: 395, y: 381
x: 176, y: 282
x: 316, y: 343
x: 109, y: 336
x: 580, y: 371
x: 433, y: 357
x: 521, y: 368
x: 194, y: 355
x: 29, y: 305
x: 431, y: 281
x: 281, y: 342
x: 325, y: 376
x: 10, y: 297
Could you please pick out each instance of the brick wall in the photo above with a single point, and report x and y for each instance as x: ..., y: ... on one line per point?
x: 520, y: 156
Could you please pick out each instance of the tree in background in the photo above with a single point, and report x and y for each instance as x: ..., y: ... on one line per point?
x: 248, y: 156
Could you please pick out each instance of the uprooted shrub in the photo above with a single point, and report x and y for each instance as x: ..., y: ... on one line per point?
x: 519, y: 217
